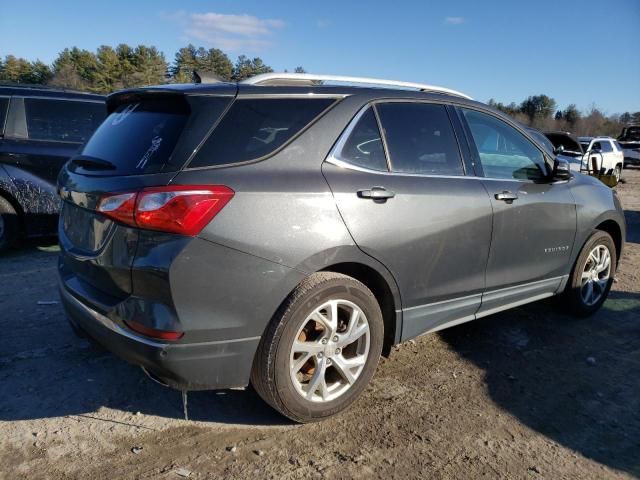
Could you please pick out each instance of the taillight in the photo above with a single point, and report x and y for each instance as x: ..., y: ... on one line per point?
x: 183, y: 209
x: 153, y: 332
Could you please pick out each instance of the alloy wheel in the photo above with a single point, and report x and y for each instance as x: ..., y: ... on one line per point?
x: 595, y: 275
x: 329, y: 351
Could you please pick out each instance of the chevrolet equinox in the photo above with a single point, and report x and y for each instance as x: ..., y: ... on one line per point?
x: 288, y: 230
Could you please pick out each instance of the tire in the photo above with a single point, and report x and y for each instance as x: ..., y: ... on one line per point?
x: 9, y: 225
x: 618, y: 173
x: 577, y: 288
x: 281, y: 384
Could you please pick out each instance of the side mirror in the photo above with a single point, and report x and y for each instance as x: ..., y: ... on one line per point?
x: 561, y: 169
x: 558, y: 150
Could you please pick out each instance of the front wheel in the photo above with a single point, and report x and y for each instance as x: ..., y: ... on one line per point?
x: 592, y: 275
x: 321, y: 349
x: 618, y: 173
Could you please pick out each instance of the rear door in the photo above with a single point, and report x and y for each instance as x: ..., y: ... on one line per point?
x: 405, y: 199
x: 45, y: 132
x: 534, y: 218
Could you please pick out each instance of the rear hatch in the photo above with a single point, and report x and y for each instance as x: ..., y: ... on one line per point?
x: 144, y: 142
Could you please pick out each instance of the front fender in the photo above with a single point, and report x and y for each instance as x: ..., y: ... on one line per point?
x: 595, y: 205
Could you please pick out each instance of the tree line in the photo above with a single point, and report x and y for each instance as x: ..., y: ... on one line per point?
x: 541, y: 111
x: 109, y: 69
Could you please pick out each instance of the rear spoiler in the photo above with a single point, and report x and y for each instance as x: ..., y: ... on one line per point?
x: 176, y: 91
x: 133, y: 95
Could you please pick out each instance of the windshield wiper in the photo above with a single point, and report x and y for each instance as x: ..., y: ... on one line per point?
x: 90, y: 163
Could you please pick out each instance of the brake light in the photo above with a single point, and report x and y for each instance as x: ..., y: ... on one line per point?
x: 182, y: 209
x: 153, y: 332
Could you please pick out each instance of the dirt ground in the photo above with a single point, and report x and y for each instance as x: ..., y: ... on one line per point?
x: 528, y: 393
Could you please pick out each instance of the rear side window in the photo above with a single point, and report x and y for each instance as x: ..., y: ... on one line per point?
x: 363, y: 147
x: 420, y: 139
x: 254, y: 128
x: 139, y: 137
x: 606, y: 146
x: 4, y: 106
x: 62, y: 120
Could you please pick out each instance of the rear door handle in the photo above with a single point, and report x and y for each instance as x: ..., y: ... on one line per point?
x: 506, y: 196
x: 376, y: 193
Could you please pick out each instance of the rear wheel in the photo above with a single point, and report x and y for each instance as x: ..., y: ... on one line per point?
x: 321, y: 349
x: 592, y: 275
x: 618, y: 172
x: 8, y: 224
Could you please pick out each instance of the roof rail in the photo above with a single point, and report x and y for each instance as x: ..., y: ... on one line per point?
x: 39, y: 86
x: 312, y: 79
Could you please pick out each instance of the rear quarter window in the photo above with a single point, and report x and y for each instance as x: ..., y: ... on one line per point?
x: 255, y: 128
x: 71, y: 121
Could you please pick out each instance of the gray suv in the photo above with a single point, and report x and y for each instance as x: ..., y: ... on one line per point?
x: 286, y: 232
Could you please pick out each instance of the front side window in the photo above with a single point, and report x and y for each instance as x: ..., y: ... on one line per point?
x: 420, y: 138
x: 503, y: 151
x: 62, y: 120
x: 363, y: 147
x: 254, y: 128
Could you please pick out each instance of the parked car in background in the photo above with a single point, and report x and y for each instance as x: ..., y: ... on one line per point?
x: 40, y: 128
x: 285, y: 232
x: 569, y: 147
x: 629, y: 140
x: 557, y: 151
x: 602, y: 154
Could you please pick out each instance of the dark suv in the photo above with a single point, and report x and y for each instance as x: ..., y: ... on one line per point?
x: 40, y: 128
x: 286, y: 233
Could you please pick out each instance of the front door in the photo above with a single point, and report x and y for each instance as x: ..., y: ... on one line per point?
x: 534, y: 217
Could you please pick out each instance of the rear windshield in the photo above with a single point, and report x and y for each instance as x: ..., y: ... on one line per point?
x: 139, y: 137
x: 253, y: 128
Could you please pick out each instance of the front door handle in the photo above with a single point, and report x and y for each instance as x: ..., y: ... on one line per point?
x: 506, y: 196
x: 376, y: 193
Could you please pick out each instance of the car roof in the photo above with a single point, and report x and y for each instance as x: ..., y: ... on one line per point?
x: 227, y: 88
x: 45, y: 91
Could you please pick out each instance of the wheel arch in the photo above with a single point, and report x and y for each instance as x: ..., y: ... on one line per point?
x: 613, y: 229
x: 350, y: 260
x: 379, y: 286
x: 16, y: 206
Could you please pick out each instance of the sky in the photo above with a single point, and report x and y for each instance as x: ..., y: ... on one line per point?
x: 582, y: 52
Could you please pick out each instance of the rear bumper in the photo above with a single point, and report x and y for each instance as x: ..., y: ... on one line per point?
x: 184, y: 366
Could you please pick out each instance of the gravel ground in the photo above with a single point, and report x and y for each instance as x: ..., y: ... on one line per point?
x: 528, y: 393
